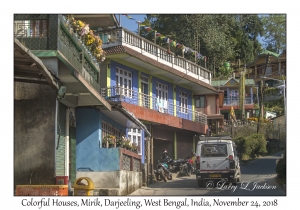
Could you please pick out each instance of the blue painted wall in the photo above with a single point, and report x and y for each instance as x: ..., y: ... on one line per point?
x: 189, y: 95
x: 113, y: 68
x: 89, y: 155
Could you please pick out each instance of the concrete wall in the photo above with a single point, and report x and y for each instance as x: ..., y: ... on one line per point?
x: 124, y: 182
x: 211, y: 105
x: 89, y: 154
x: 34, y: 134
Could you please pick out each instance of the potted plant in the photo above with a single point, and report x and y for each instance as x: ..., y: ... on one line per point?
x: 135, y: 147
x: 109, y: 141
x: 121, y: 141
x: 127, y: 144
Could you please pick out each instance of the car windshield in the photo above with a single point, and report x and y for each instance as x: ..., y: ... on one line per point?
x: 214, y: 150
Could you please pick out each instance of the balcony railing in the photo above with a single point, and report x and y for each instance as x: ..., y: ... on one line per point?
x: 124, y: 37
x: 64, y: 40
x: 236, y: 101
x: 150, y: 102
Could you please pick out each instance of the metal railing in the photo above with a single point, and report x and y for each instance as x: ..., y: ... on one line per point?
x: 164, y: 106
x: 236, y: 101
x: 116, y: 37
x: 66, y: 42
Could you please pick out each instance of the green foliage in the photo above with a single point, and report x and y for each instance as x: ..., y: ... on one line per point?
x: 223, y: 73
x: 281, y: 168
x: 252, y: 146
x: 221, y: 37
x: 275, y: 32
x: 275, y: 106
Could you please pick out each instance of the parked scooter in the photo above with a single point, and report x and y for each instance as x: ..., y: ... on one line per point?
x: 179, y: 166
x: 162, y: 172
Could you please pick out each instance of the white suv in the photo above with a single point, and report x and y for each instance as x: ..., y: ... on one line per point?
x: 217, y: 159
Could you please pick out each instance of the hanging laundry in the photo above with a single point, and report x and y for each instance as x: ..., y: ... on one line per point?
x: 165, y: 104
x: 160, y: 105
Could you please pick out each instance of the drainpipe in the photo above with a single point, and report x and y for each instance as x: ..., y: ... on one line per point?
x: 67, y: 143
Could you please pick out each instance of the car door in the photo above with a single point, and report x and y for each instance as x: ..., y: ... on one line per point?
x: 214, y: 157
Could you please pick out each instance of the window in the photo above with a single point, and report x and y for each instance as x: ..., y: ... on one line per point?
x: 183, y: 98
x: 32, y: 28
x: 214, y: 150
x: 269, y: 71
x: 124, y: 82
x: 135, y: 136
x: 161, y: 91
x: 199, y: 101
x: 108, y: 129
x: 162, y: 97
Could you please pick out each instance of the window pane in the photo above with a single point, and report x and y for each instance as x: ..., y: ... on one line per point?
x: 134, y: 139
x: 129, y: 84
x: 202, y: 101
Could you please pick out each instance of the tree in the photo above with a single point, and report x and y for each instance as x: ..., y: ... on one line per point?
x: 275, y: 32
x: 219, y: 37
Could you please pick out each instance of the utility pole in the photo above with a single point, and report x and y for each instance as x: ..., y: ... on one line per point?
x: 261, y: 97
x: 242, y: 93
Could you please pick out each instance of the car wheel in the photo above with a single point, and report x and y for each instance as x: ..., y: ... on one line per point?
x: 239, y: 177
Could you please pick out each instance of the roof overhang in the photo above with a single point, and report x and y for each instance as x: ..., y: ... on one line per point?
x: 98, y: 20
x: 215, y: 116
x: 79, y: 92
x: 29, y: 68
x: 122, y: 116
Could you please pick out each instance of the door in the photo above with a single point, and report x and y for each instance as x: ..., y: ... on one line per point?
x: 145, y: 92
x: 214, y: 157
x: 234, y: 97
x: 72, y: 154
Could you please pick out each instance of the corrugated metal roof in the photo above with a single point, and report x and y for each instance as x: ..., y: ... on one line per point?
x: 267, y: 52
x: 217, y: 83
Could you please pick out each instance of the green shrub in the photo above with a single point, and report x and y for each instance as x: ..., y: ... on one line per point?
x: 281, y: 168
x: 251, y: 146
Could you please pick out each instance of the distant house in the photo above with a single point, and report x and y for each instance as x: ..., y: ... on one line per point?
x: 231, y: 96
x: 275, y: 69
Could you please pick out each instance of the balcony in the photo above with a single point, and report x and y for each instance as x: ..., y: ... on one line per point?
x: 123, y: 37
x: 163, y: 106
x: 51, y: 36
x: 61, y: 39
x: 236, y: 101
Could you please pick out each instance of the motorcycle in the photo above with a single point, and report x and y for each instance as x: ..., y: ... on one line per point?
x: 191, y: 166
x: 179, y: 166
x: 162, y: 172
